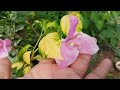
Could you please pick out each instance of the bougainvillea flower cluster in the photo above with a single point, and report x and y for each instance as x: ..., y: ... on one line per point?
x: 65, y: 51
x: 4, y: 47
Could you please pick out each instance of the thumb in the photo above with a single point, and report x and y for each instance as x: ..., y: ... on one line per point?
x: 5, y: 68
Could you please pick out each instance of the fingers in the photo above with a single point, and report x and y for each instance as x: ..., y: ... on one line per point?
x: 5, y: 68
x: 81, y: 64
x: 35, y: 72
x: 47, y: 61
x: 101, y: 71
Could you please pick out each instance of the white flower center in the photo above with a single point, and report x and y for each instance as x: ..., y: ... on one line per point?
x: 71, y: 44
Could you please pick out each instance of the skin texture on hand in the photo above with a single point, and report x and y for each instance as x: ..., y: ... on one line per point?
x: 48, y: 69
x: 5, y: 68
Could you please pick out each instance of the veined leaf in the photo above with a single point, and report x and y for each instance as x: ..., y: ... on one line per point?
x: 22, y: 51
x: 18, y: 65
x: 26, y: 57
x: 26, y: 69
x: 50, y: 46
x: 38, y: 57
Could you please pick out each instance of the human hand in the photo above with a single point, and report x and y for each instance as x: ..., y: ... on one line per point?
x: 48, y: 69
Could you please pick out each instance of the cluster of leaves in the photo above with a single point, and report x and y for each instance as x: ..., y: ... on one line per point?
x: 22, y: 24
x: 105, y: 26
x: 23, y: 28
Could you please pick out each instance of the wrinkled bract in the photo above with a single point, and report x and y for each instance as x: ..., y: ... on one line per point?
x: 66, y: 51
x: 4, y: 47
x: 76, y: 43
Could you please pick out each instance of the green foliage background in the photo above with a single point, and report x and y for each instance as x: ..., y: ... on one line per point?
x: 24, y: 27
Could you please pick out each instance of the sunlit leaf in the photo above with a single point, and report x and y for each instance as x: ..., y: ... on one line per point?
x: 18, y: 65
x: 13, y: 15
x: 38, y: 57
x: 65, y: 24
x: 50, y: 46
x: 51, y: 24
x: 99, y: 24
x: 26, y: 69
x: 22, y: 51
x: 20, y: 27
x: 26, y: 57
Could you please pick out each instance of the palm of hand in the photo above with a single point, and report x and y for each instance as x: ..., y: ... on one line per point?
x: 47, y: 69
x: 50, y: 71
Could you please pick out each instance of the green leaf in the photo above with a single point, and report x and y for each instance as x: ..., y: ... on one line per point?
x: 113, y: 42
x: 94, y: 16
x: 13, y: 60
x: 109, y: 76
x: 17, y: 42
x: 20, y: 27
x: 106, y: 16
x: 114, y: 13
x: 14, y: 73
x: 118, y: 32
x: 51, y: 25
x: 99, y: 24
x: 19, y: 72
x: 85, y: 22
x: 13, y: 15
x: 106, y: 34
x: 117, y: 52
x: 38, y: 57
x: 14, y: 70
x: 13, y: 53
x: 22, y: 51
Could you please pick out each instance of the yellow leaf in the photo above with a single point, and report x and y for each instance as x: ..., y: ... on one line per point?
x: 18, y: 64
x: 26, y: 57
x: 26, y: 70
x: 65, y: 24
x: 50, y: 46
x: 38, y: 57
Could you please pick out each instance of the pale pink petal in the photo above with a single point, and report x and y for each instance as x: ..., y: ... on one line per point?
x: 69, y: 53
x: 3, y: 50
x: 85, y: 44
x: 72, y: 30
x: 8, y: 44
x: 8, y: 49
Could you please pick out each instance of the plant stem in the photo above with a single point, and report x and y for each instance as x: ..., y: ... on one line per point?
x: 36, y: 50
x: 34, y: 31
x: 17, y: 46
x: 33, y: 52
x: 15, y: 51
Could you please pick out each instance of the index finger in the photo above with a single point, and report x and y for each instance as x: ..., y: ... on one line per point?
x: 101, y: 71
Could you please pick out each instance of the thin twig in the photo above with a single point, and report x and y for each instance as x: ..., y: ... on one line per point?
x: 36, y: 45
x: 35, y: 31
x: 15, y: 51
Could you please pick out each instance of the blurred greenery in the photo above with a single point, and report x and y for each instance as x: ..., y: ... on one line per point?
x: 24, y: 27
